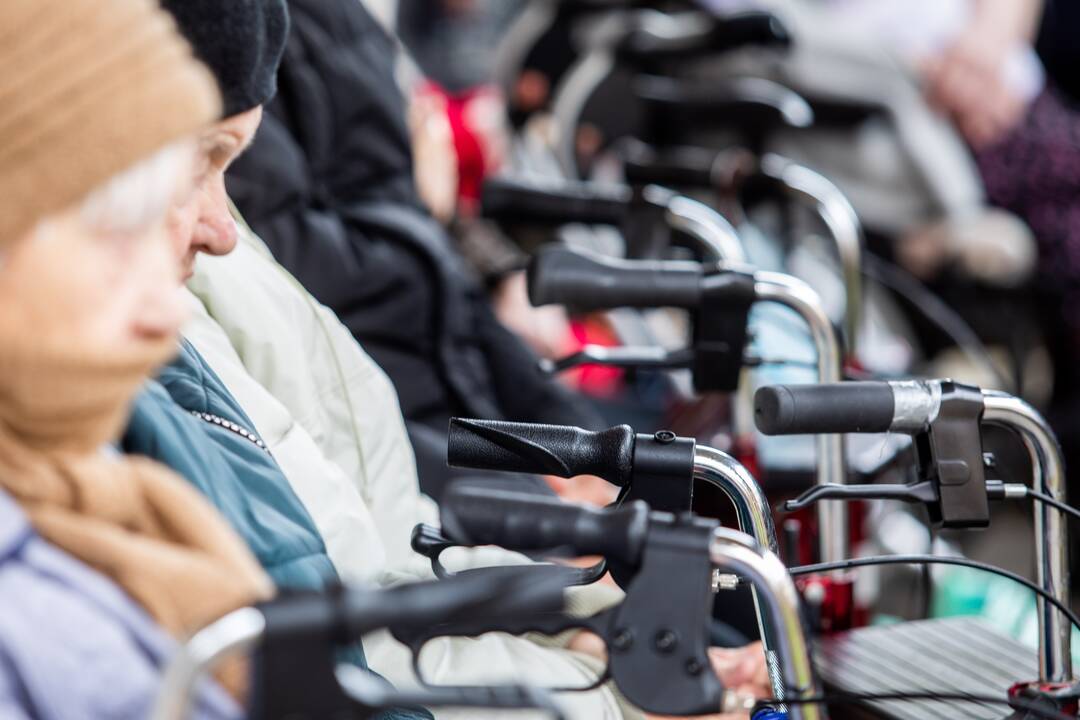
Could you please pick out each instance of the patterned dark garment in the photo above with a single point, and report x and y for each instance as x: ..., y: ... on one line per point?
x: 1034, y: 171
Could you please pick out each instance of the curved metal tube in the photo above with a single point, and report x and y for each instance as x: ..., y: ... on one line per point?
x: 790, y: 652
x: 725, y: 472
x: 715, y: 234
x: 831, y: 457
x: 238, y: 631
x: 842, y: 222
x: 1051, y: 531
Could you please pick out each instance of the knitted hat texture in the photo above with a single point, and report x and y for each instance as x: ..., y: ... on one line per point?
x: 88, y: 88
x: 241, y: 41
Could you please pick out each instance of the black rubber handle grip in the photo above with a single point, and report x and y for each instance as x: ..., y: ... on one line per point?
x: 554, y: 202
x: 542, y: 449
x: 518, y: 521
x: 853, y: 407
x: 588, y: 281
x: 468, y: 596
x: 746, y: 103
x: 711, y: 36
x: 681, y: 167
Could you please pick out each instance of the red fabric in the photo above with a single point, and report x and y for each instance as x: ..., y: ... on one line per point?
x: 472, y: 159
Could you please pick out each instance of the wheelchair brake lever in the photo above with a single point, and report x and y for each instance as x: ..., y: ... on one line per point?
x: 651, y: 358
x: 920, y: 492
x: 428, y: 540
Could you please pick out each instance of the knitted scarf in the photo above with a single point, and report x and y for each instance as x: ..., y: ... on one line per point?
x: 61, y: 400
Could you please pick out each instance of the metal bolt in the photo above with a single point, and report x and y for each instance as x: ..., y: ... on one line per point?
x: 664, y: 436
x: 622, y: 641
x: 724, y: 581
x: 666, y: 641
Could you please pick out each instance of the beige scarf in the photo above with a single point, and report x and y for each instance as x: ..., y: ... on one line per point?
x: 130, y: 518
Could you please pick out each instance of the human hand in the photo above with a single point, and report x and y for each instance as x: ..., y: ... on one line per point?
x: 545, y: 329
x: 968, y: 83
x: 435, y: 161
x: 587, y: 489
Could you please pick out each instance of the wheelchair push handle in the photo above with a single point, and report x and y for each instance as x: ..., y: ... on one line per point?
x: 588, y: 281
x: 857, y: 407
x: 518, y: 521
x: 554, y: 202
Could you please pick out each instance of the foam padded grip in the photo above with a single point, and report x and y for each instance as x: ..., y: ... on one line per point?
x: 854, y: 407
x: 558, y: 450
x: 554, y: 202
x: 478, y: 515
x: 587, y: 281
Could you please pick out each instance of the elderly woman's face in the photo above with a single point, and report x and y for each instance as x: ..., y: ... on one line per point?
x: 93, y: 285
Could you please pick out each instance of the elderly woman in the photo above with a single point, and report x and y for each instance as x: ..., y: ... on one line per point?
x: 96, y: 101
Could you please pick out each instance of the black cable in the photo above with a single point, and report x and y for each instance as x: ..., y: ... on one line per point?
x: 1053, y: 502
x: 933, y: 309
x: 934, y: 560
x: 843, y: 698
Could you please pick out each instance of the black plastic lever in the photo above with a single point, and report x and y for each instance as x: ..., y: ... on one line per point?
x: 430, y: 542
x: 920, y: 492
x: 628, y: 358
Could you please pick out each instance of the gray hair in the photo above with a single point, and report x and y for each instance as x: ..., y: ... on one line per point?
x: 139, y: 196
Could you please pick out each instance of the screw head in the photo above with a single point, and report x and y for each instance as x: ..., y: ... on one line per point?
x: 694, y: 667
x: 666, y: 641
x: 622, y: 641
x: 665, y: 437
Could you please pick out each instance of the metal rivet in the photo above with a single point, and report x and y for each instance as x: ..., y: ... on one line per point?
x: 694, y: 666
x: 664, y: 436
x: 623, y: 640
x: 666, y: 641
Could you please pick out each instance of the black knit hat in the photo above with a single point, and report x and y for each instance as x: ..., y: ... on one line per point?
x: 242, y: 42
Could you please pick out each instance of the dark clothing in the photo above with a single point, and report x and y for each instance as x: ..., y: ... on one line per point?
x: 240, y: 41
x: 455, y: 48
x: 1059, y: 46
x: 328, y: 186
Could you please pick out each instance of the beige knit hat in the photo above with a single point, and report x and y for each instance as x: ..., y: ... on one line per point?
x: 87, y: 89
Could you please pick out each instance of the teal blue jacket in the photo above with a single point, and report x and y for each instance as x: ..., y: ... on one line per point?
x: 190, y: 421
x: 240, y: 478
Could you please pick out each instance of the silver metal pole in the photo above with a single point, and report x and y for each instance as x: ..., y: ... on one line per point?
x: 755, y: 519
x: 725, y: 472
x: 708, y: 227
x: 738, y: 553
x: 1051, y: 531
x: 238, y: 631
x: 831, y: 457
x: 842, y: 222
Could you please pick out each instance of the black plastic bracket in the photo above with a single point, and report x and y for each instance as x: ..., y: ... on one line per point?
x: 658, y: 658
x: 428, y: 540
x: 657, y: 638
x: 720, y: 329
x: 951, y: 456
x: 951, y: 467
x: 293, y: 667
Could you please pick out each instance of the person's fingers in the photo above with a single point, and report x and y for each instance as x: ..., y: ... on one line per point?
x: 743, y: 666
